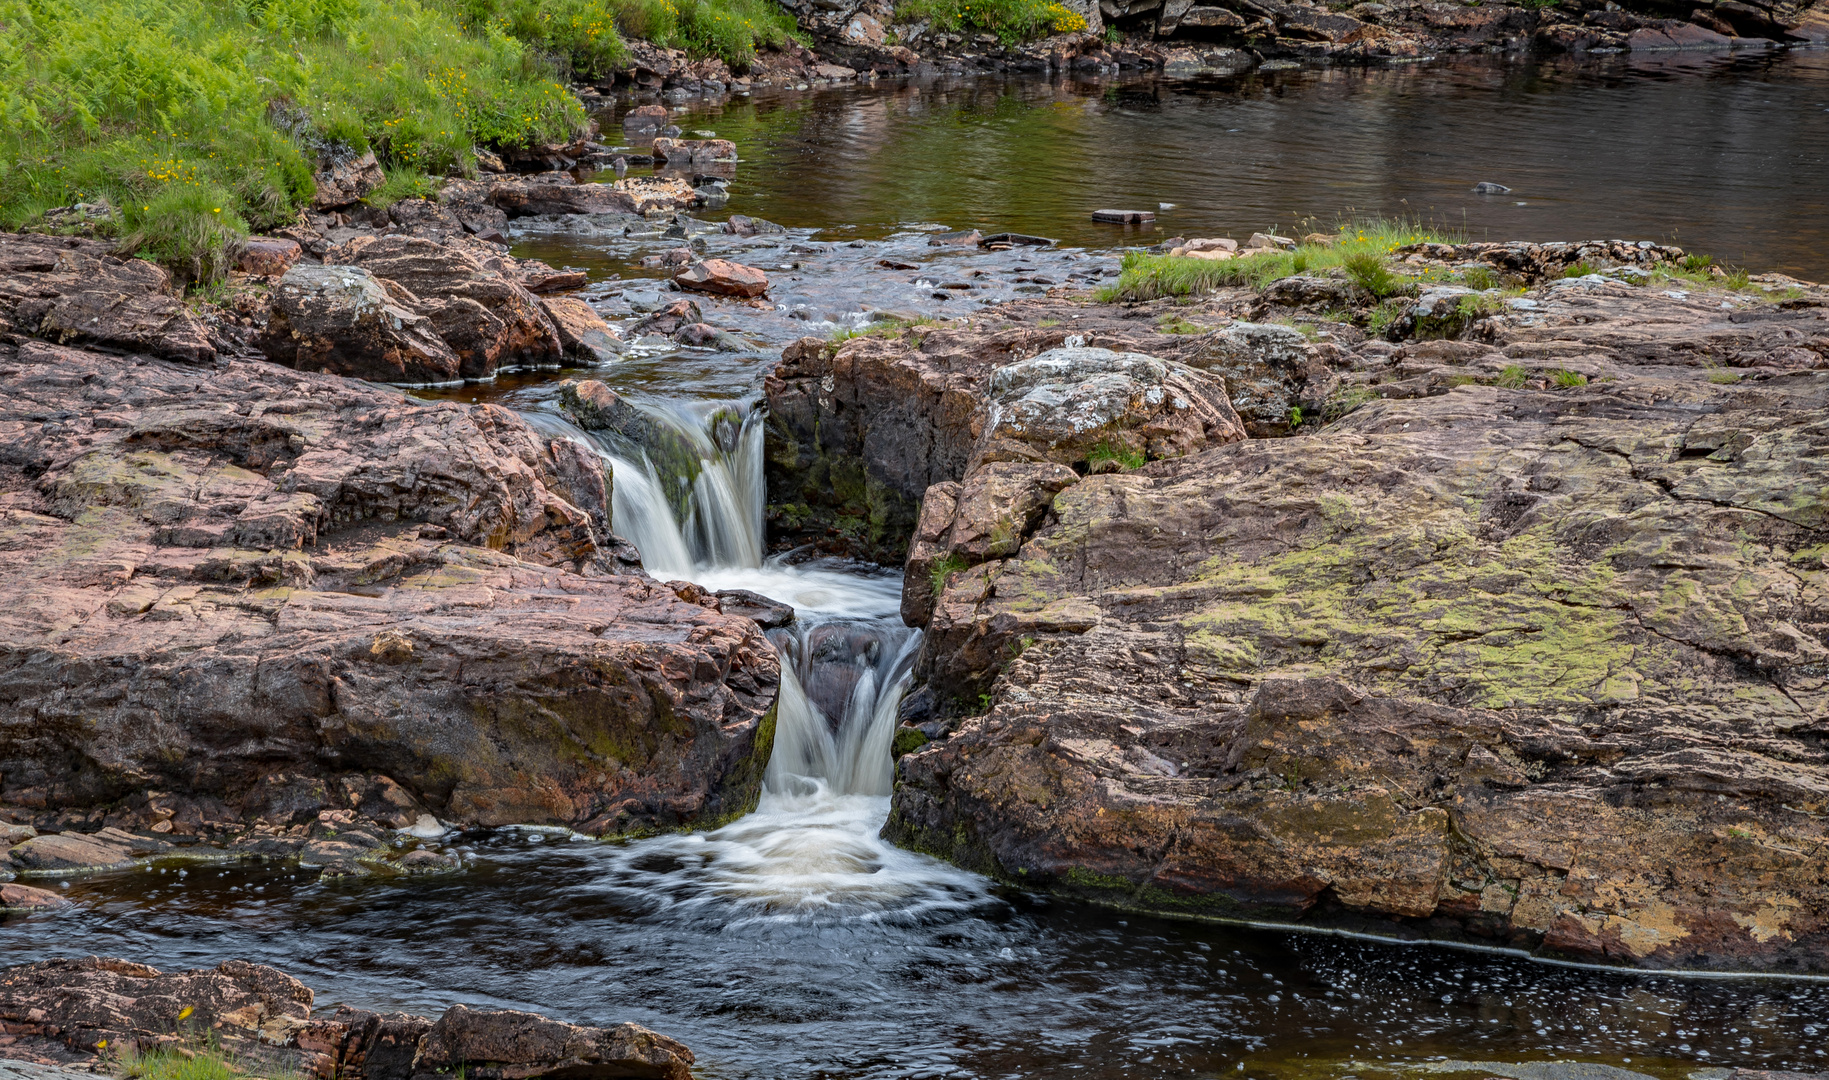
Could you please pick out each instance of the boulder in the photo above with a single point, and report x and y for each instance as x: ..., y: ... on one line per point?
x: 645, y: 118
x: 1269, y: 369
x: 341, y: 320
x: 522, y: 198
x: 723, y: 277
x: 1068, y: 404
x: 670, y: 320
x: 656, y: 194
x: 69, y: 289
x: 582, y: 332
x: 706, y: 336
x: 342, y: 181
x: 1671, y: 34
x: 956, y: 238
x: 63, y: 852
x: 768, y: 614
x: 486, y: 317
x: 268, y: 256
x: 17, y: 897
x: 502, y: 1044
x: 741, y: 225
x: 211, y: 581
x: 677, y: 152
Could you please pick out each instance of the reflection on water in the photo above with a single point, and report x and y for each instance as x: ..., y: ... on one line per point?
x: 1723, y: 153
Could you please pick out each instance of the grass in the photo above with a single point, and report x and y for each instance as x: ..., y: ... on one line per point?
x: 1480, y: 277
x: 881, y: 328
x: 200, y: 120
x: 1108, y: 451
x: 1723, y: 378
x: 1512, y: 378
x: 1568, y: 379
x: 1370, y: 272
x: 1148, y: 277
x: 1579, y: 269
x: 944, y: 567
x: 1175, y: 324
x: 1384, y: 315
x: 1010, y: 20
x: 206, y: 1061
x: 402, y: 184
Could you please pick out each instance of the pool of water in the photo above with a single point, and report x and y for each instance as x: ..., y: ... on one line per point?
x: 1721, y: 153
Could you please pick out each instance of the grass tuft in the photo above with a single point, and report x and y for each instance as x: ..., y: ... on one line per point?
x: 943, y: 568
x: 1114, y: 453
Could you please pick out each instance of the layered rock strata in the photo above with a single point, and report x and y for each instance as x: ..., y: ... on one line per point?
x: 236, y: 595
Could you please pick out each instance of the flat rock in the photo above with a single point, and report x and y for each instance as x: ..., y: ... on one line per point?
x: 768, y: 614
x: 510, y: 1045
x: 17, y: 897
x: 723, y: 277
x: 95, y: 1000
x: 57, y: 852
x: 75, y: 290
x: 1124, y: 217
x: 582, y: 332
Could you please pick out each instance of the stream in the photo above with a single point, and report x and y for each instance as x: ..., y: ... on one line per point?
x: 795, y: 942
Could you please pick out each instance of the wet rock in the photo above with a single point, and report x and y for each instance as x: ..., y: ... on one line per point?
x: 486, y: 318
x: 66, y: 852
x: 671, y: 319
x: 768, y: 614
x: 582, y: 332
x: 676, y: 152
x: 645, y: 118
x: 956, y: 238
x: 342, y: 181
x: 17, y: 897
x: 1124, y: 217
x: 723, y: 277
x: 1067, y: 403
x: 985, y: 517
x: 1014, y: 240
x: 1486, y: 187
x: 522, y: 198
x: 341, y: 320
x: 741, y: 225
x: 501, y: 1044
x: 74, y: 290
x: 706, y: 336
x: 670, y: 259
x: 268, y: 257
x: 1669, y: 34
x: 259, y: 543
x: 656, y: 194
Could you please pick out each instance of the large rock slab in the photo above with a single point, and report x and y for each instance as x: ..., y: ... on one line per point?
x: 1541, y: 667
x: 75, y: 290
x: 208, y: 581
x: 511, y: 1045
x: 97, y: 1002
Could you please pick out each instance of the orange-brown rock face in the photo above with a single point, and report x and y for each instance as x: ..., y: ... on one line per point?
x: 209, y: 576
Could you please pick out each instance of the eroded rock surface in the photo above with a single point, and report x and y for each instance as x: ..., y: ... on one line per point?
x: 100, y: 1005
x: 215, y: 578
x: 1540, y: 663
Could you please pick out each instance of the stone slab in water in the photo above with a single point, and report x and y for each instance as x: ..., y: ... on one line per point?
x: 1124, y: 217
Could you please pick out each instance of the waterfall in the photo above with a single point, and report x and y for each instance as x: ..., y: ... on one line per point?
x: 690, y: 495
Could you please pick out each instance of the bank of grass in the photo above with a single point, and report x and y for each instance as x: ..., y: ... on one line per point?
x: 200, y: 120
x: 1360, y: 246
x: 203, y: 1060
x: 1010, y: 20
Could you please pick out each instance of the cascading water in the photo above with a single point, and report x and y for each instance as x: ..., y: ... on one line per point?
x: 691, y: 500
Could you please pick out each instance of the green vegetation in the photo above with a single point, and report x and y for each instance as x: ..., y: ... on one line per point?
x: 1384, y: 315
x: 1347, y: 400
x: 907, y: 740
x: 205, y: 1062
x: 1148, y: 277
x: 1010, y: 20
x: 1697, y: 263
x: 196, y: 121
x: 1723, y: 378
x: 1175, y: 324
x: 1482, y: 304
x: 891, y: 327
x: 1480, y: 277
x: 1568, y: 379
x: 1295, y: 416
x: 1117, y: 453
x: 1579, y: 269
x: 1512, y: 378
x: 1369, y: 272
x: 944, y: 568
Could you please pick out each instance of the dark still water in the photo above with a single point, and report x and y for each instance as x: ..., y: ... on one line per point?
x: 931, y: 977
x: 1726, y: 154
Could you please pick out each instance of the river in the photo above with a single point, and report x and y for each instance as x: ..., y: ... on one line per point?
x: 795, y: 942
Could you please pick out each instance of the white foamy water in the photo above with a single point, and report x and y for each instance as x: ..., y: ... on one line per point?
x: 812, y: 847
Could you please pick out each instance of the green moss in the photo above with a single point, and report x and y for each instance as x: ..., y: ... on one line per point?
x: 907, y: 741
